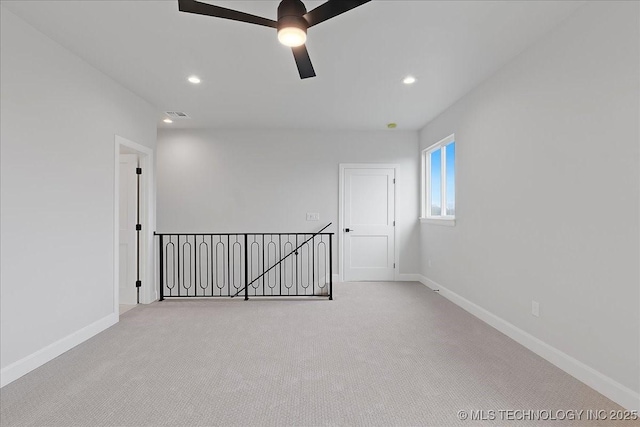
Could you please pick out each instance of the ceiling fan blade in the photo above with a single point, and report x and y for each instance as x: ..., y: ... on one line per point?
x: 192, y: 6
x: 331, y: 9
x: 303, y: 61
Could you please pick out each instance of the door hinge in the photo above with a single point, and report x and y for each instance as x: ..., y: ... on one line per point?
x: 138, y: 171
x: 394, y: 223
x: 394, y: 180
x: 394, y: 265
x: 138, y: 227
x: 138, y: 283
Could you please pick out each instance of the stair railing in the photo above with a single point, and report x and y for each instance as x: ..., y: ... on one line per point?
x: 227, y: 264
x: 295, y: 251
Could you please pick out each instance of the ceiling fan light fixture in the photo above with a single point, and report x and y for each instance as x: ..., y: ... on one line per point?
x: 292, y: 27
x: 292, y: 36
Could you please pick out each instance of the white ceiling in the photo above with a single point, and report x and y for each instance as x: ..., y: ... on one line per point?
x: 249, y: 80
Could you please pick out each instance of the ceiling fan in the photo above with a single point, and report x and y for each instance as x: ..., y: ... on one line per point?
x: 292, y: 24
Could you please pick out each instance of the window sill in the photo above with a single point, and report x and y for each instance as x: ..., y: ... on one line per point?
x: 447, y: 222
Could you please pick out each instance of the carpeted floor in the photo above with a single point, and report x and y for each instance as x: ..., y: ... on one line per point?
x: 387, y: 354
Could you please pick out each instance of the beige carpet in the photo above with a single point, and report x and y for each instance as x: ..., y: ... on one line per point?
x: 126, y: 307
x: 382, y: 354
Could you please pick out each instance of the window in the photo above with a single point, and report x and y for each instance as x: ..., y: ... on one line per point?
x: 439, y: 180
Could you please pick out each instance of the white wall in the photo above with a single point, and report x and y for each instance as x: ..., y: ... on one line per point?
x: 266, y: 181
x: 59, y: 119
x: 548, y: 194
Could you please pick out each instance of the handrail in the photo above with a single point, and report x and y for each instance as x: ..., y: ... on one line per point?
x: 294, y: 251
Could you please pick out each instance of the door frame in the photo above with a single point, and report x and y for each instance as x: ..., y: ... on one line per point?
x: 148, y: 291
x: 341, y: 221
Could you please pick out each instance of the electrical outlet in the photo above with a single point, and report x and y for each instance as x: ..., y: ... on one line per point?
x: 313, y: 216
x: 535, y: 308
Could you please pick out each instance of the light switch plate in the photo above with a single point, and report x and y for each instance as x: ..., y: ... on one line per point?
x: 313, y: 216
x: 535, y: 308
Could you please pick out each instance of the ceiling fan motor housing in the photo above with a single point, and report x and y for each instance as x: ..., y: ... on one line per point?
x: 290, y: 14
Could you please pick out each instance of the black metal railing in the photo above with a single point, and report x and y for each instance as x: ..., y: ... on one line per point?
x: 249, y: 264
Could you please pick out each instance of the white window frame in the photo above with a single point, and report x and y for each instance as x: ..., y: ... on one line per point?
x: 426, y: 216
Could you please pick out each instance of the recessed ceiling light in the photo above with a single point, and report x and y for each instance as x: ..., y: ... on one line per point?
x: 194, y: 79
x: 409, y: 80
x: 168, y: 121
x: 392, y: 125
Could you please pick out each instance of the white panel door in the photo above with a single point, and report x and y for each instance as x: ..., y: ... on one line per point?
x: 369, y: 232
x: 128, y: 205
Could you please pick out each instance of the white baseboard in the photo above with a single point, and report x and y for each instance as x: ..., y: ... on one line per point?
x: 27, y: 364
x: 401, y: 277
x: 406, y: 277
x: 603, y: 384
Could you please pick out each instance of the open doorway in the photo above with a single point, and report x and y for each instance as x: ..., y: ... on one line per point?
x: 134, y: 222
